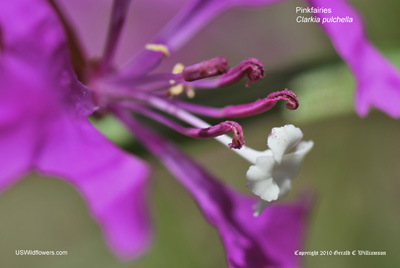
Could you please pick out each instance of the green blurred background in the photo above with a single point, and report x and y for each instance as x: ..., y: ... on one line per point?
x: 353, y: 168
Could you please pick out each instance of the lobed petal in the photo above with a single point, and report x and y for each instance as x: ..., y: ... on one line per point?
x: 17, y: 149
x: 260, y: 179
x: 113, y: 183
x: 291, y: 162
x: 282, y: 139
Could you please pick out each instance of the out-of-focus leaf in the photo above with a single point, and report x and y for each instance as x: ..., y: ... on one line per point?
x: 326, y: 91
x: 112, y: 129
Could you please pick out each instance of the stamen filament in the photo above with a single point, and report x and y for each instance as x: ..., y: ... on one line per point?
x: 198, y: 133
x: 119, y: 12
x: 213, y: 67
x: 244, y: 110
x: 252, y: 68
x: 169, y: 107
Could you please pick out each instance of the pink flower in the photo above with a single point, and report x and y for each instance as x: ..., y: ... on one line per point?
x: 44, y: 126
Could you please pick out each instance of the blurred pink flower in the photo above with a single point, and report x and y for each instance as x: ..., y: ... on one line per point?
x: 378, y: 81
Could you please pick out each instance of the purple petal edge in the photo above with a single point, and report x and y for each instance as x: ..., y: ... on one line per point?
x: 378, y: 81
x: 113, y: 183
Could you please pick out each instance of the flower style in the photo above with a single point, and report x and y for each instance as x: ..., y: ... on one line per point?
x: 44, y: 126
x: 270, y: 177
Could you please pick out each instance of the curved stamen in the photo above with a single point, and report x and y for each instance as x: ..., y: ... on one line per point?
x: 170, y: 108
x: 209, y: 68
x: 245, y: 152
x: 288, y: 95
x: 244, y: 110
x: 252, y: 68
x: 231, y: 111
x: 238, y: 139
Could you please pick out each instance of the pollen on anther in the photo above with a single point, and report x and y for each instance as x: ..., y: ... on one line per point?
x: 158, y: 48
x: 175, y: 90
x: 179, y: 88
x: 190, y: 93
x: 178, y: 68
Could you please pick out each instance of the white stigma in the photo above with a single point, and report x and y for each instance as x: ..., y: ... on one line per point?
x: 272, y: 171
x: 271, y: 175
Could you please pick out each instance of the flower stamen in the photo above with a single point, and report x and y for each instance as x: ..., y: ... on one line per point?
x: 252, y: 68
x: 291, y: 98
x: 244, y: 110
x: 175, y: 90
x: 209, y: 68
x: 205, y: 132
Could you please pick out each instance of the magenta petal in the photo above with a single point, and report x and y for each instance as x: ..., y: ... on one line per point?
x: 35, y: 75
x: 258, y: 242
x: 17, y: 150
x: 378, y: 81
x: 43, y: 126
x: 35, y: 52
x: 113, y: 183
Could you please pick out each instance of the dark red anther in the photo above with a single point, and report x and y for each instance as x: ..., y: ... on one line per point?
x: 213, y: 67
x: 292, y: 101
x: 222, y: 128
x: 252, y: 68
x: 255, y: 70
